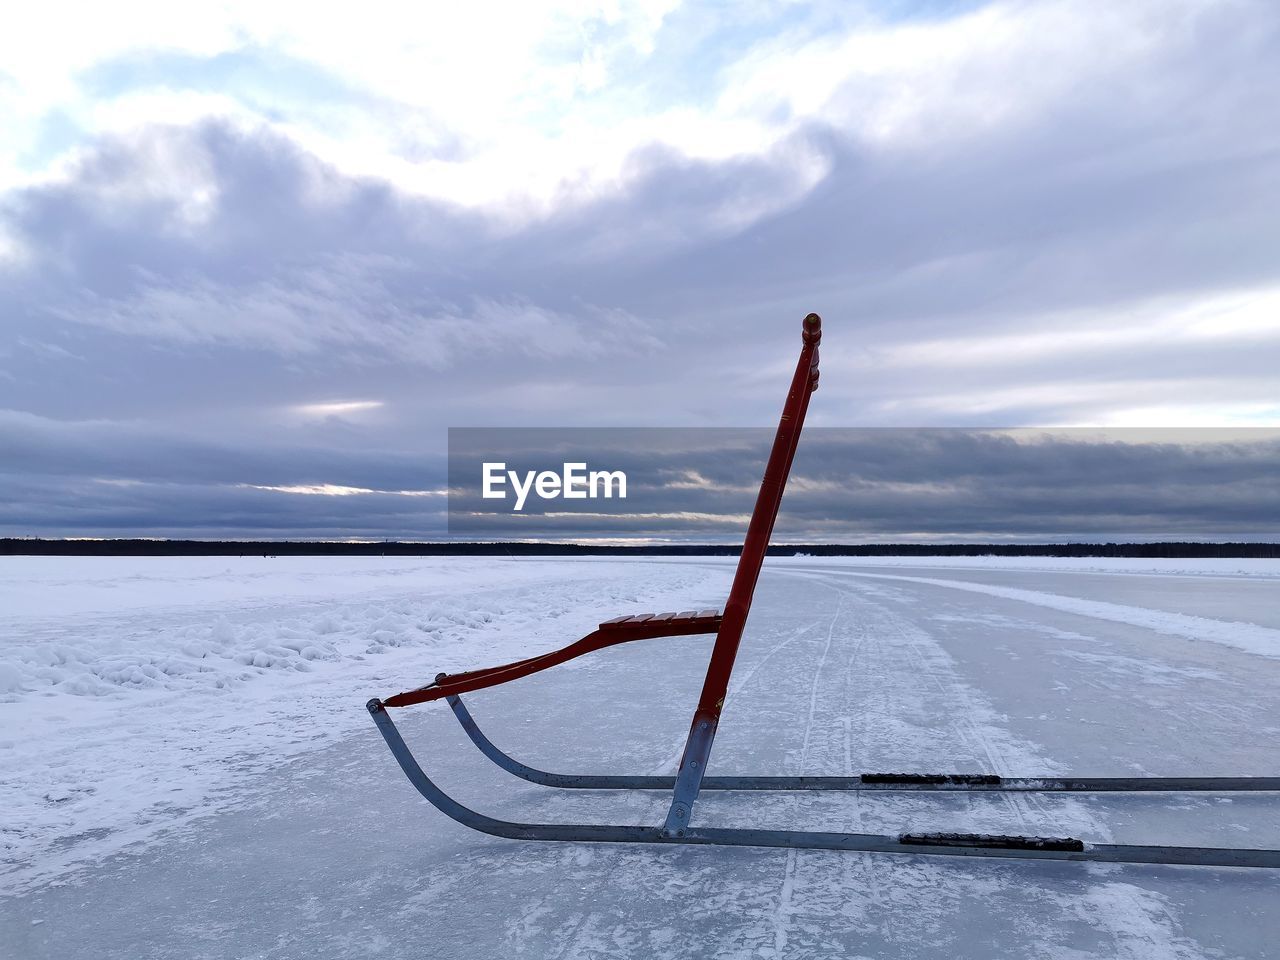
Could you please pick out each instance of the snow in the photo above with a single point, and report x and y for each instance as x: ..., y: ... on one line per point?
x: 143, y: 696
x: 1157, y: 566
x: 187, y: 769
x: 1253, y: 638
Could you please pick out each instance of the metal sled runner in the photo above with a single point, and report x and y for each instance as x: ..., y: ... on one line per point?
x: 690, y: 779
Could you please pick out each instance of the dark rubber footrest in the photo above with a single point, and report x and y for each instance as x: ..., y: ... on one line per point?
x: 1066, y: 844
x: 931, y: 778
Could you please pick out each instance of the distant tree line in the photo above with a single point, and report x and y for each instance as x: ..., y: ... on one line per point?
x: 20, y: 546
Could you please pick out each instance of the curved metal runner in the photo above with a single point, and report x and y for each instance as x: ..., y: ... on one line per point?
x: 980, y: 782
x: 950, y: 845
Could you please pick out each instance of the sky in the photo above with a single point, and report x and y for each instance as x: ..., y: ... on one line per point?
x: 255, y: 259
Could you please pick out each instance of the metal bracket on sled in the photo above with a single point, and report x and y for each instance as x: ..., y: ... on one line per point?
x: 691, y: 777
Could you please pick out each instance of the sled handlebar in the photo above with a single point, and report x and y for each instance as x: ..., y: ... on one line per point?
x: 811, y: 333
x: 760, y: 529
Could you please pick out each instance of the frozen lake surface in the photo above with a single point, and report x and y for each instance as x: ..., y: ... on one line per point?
x: 187, y: 768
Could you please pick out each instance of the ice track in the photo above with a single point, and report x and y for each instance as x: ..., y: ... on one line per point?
x: 321, y: 849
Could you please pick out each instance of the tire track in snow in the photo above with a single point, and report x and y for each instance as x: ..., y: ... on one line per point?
x: 735, y: 686
x: 1249, y: 637
x: 785, y: 909
x: 961, y: 703
x: 868, y: 868
x: 966, y: 728
x: 1138, y: 923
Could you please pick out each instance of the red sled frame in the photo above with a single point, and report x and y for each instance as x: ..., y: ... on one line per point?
x: 691, y: 778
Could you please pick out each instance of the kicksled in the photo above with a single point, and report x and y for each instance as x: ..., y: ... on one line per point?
x: 691, y: 777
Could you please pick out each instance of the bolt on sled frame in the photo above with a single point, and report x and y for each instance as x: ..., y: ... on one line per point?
x: 690, y: 779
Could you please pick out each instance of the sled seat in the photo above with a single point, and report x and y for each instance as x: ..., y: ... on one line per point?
x: 624, y: 629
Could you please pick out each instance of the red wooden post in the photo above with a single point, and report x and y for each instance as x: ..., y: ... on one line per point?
x: 707, y: 716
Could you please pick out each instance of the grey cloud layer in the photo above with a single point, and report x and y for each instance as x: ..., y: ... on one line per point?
x: 686, y: 484
x: 859, y: 484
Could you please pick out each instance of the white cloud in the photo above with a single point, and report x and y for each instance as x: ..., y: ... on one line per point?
x: 12, y: 253
x: 918, y: 82
x: 541, y: 104
x: 1241, y: 317
x: 335, y: 408
x: 498, y: 76
x: 1190, y: 415
x: 338, y: 490
x: 1066, y: 400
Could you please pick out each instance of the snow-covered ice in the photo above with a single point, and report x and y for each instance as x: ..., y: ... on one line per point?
x: 136, y: 700
x: 187, y: 769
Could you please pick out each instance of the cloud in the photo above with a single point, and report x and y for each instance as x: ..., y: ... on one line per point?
x: 102, y: 478
x: 99, y: 479
x: 335, y: 408
x: 337, y: 490
x: 1009, y: 213
x: 895, y: 484
x: 283, y: 255
x: 351, y: 305
x: 394, y: 78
